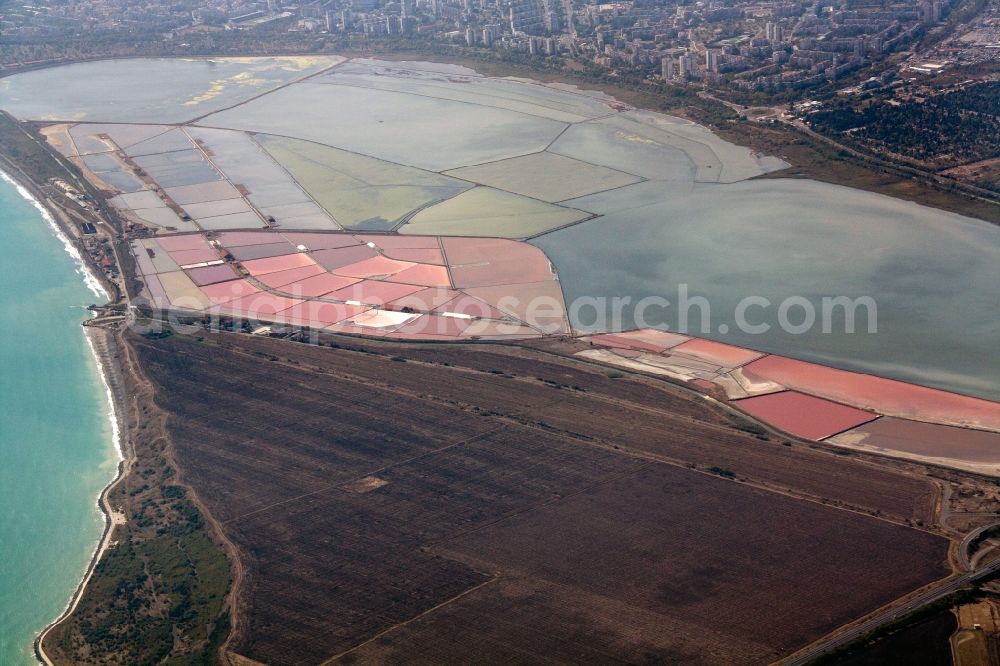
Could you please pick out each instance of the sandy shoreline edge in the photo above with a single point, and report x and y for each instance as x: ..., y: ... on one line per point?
x: 103, y: 347
x: 101, y: 344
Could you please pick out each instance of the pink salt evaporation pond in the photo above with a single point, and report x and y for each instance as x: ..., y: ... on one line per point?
x: 188, y: 257
x: 419, y: 255
x: 425, y: 300
x: 281, y: 278
x: 157, y: 295
x: 480, y: 262
x: 718, y: 353
x: 470, y: 307
x: 538, y: 304
x: 424, y: 275
x: 223, y: 292
x: 885, y: 396
x: 317, y: 285
x: 615, y: 341
x: 260, y: 305
x: 927, y: 440
x: 382, y: 319
x: 275, y: 264
x: 375, y: 292
x: 182, y: 242
x: 260, y: 250
x: 422, y: 249
x: 433, y: 327
x: 378, y: 266
x: 211, y: 274
x: 316, y: 314
x: 664, y: 339
x: 804, y: 415
x: 333, y: 258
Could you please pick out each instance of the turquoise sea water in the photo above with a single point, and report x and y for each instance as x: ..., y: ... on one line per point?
x: 56, y: 443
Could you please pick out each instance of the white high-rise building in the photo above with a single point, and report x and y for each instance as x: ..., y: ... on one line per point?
x: 712, y: 60
x: 667, y: 68
x: 527, y: 16
x: 684, y: 67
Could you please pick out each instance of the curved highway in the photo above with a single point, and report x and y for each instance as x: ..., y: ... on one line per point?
x: 963, y: 548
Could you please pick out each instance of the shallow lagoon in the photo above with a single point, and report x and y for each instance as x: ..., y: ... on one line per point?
x: 935, y: 276
x: 484, y: 211
x: 546, y: 176
x: 423, y: 132
x: 359, y: 192
x: 515, y: 95
x: 148, y: 90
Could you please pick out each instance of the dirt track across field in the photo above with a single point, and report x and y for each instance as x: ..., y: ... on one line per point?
x: 403, y: 503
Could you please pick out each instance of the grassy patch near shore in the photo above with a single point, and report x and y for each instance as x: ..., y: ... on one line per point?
x: 152, y: 596
x: 26, y: 151
x: 158, y: 594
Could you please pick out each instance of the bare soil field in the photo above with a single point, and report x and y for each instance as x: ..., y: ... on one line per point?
x: 700, y: 558
x: 399, y: 503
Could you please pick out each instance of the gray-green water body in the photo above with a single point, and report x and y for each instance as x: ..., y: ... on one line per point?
x: 933, y: 276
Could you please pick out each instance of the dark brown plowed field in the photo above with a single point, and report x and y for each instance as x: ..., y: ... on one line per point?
x: 662, y: 566
x: 481, y: 510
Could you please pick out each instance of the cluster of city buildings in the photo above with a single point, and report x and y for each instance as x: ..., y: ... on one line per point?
x: 42, y: 18
x: 978, y: 45
x: 531, y: 26
x: 769, y: 46
x: 748, y: 45
x: 506, y: 23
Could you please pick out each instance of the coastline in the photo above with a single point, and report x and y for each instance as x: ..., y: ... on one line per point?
x: 104, y: 359
x: 102, y: 348
x: 30, y: 192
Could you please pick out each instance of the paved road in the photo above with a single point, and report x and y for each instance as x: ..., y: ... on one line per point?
x: 816, y: 651
x: 963, y: 548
